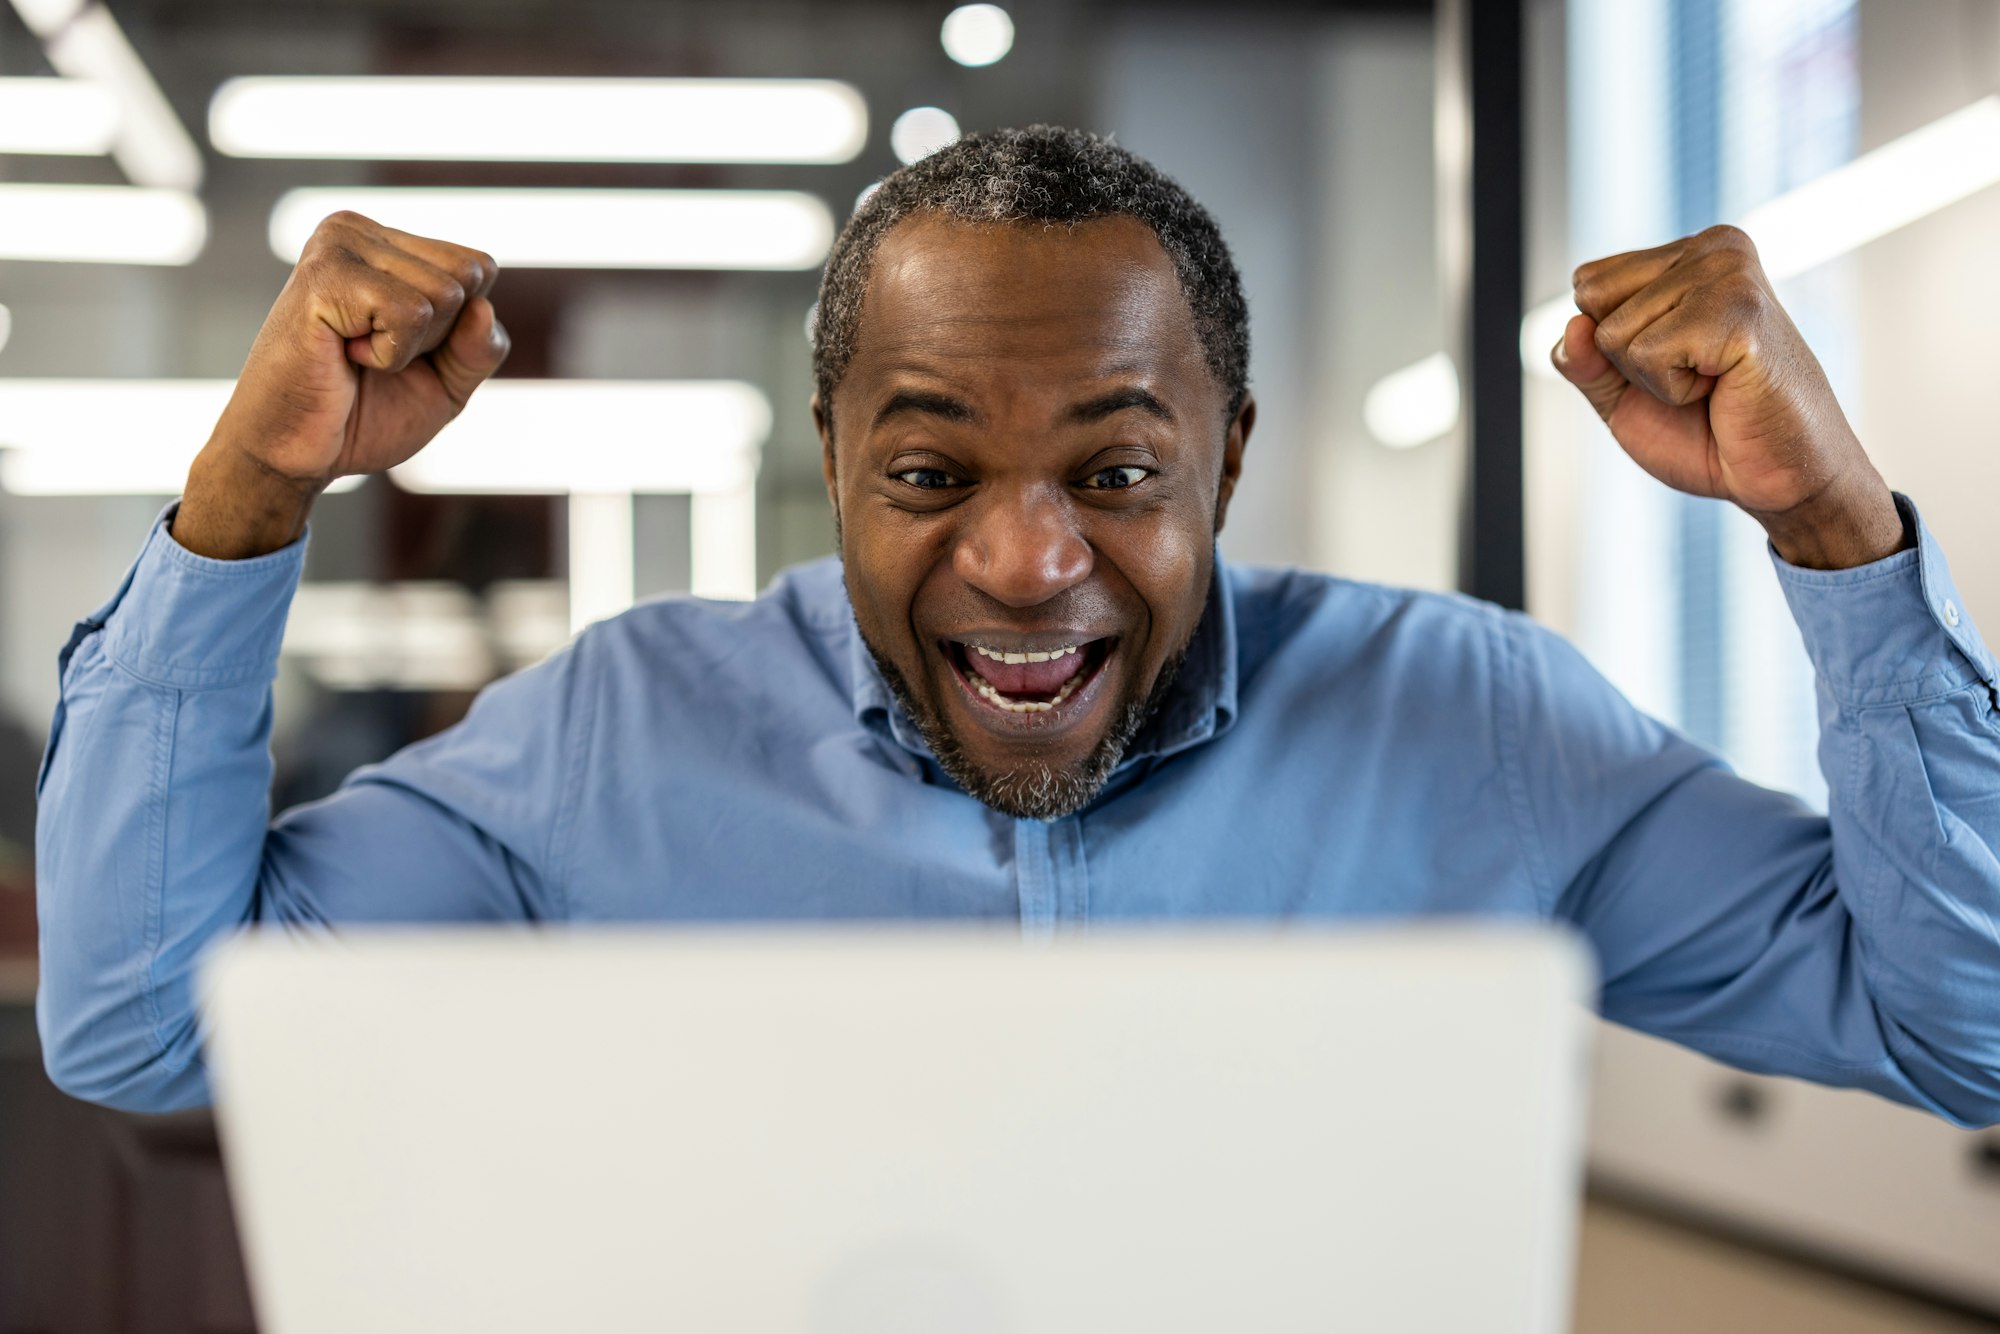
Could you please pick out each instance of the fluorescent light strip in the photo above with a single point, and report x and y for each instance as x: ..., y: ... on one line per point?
x: 6, y: 326
x: 106, y: 437
x: 46, y: 18
x: 597, y: 436
x: 137, y: 437
x: 1906, y: 179
x: 540, y: 120
x: 585, y: 229
x: 85, y: 42
x: 67, y: 116
x: 100, y: 224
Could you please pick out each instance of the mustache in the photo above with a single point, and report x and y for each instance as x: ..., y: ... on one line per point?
x: 1081, y: 607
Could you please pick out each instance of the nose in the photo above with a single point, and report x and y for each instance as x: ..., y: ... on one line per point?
x: 1023, y: 548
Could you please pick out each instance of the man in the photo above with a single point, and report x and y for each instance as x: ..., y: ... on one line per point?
x: 1028, y: 689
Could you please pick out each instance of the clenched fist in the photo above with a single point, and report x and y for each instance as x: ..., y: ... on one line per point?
x: 1703, y: 379
x: 377, y: 340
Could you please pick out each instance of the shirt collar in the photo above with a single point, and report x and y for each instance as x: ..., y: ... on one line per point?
x: 1200, y: 705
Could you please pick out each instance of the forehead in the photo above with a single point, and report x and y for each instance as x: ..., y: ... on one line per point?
x: 1082, y: 297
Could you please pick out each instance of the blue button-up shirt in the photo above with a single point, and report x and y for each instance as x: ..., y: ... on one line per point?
x: 1332, y: 750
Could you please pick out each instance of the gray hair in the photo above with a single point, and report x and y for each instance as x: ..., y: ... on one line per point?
x: 1057, y: 177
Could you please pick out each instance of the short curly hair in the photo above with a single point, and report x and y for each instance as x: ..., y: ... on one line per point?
x: 1057, y: 177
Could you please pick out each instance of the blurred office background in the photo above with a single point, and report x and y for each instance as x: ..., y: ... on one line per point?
x: 654, y: 439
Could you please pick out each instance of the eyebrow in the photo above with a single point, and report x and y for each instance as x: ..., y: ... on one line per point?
x: 1118, y: 400
x: 951, y: 409
x: 936, y: 405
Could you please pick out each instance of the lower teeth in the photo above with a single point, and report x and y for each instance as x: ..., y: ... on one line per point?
x: 1027, y: 705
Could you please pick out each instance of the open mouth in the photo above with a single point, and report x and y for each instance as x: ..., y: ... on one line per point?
x: 1022, y: 680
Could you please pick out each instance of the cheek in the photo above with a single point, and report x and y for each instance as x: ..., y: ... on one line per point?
x: 885, y: 570
x: 1166, y: 561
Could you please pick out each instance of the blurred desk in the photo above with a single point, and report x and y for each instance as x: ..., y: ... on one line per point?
x: 108, y: 1222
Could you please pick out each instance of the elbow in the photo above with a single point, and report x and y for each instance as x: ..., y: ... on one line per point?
x: 144, y: 1090
x: 1961, y: 1087
x: 132, y: 1075
x: 1979, y: 1111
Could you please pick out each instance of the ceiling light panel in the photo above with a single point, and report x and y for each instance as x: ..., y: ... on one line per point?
x: 100, y: 224
x: 152, y: 147
x: 68, y: 116
x: 667, y: 438
x: 540, y: 120
x: 138, y: 437
x: 585, y: 229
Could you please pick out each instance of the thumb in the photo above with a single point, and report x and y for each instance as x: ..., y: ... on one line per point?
x: 1577, y: 360
x: 472, y: 351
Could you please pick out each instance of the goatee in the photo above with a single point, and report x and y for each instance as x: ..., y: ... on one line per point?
x: 1034, y: 790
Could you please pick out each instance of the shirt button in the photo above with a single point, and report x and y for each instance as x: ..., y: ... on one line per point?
x: 1951, y: 613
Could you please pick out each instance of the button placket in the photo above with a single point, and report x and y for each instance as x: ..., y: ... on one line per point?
x: 1034, y: 880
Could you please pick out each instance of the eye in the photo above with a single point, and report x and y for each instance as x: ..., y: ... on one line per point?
x: 1117, y: 479
x: 925, y: 479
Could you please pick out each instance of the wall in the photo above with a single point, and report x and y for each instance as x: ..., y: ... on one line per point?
x: 1927, y: 295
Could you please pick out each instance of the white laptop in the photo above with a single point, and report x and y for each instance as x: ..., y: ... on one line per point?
x: 903, y: 1130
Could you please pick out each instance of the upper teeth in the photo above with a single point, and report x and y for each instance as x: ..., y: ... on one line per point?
x: 1050, y: 656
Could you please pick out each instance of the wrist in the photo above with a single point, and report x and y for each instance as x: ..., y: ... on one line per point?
x: 236, y: 507
x: 1841, y: 529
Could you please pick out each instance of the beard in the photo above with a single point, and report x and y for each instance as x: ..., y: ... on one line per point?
x: 1035, y: 789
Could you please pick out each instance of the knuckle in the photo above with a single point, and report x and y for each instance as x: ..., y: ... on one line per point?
x: 1740, y: 294
x: 1727, y: 236
x: 471, y: 268
x: 399, y: 308
x: 1717, y: 266
x: 345, y: 220
x: 326, y: 251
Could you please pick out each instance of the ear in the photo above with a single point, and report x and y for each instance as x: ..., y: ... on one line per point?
x: 823, y: 423
x: 1232, y: 457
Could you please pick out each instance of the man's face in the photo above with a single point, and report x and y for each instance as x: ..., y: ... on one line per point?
x: 1028, y: 460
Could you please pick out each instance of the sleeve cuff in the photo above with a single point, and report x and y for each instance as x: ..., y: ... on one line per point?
x: 194, y: 623
x: 1892, y: 632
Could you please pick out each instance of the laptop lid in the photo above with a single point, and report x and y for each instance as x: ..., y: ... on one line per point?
x: 909, y: 1129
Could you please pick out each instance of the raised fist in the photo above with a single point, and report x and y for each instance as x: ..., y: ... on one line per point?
x: 377, y: 340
